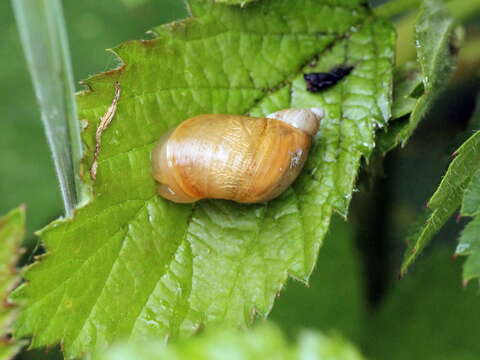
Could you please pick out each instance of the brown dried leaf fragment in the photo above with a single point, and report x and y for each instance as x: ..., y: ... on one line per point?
x: 104, y: 123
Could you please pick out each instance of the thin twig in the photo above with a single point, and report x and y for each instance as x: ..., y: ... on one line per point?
x: 104, y: 123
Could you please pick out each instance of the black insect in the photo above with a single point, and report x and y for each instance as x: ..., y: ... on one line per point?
x: 323, y: 80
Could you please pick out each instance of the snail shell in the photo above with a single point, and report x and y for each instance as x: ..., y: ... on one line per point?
x: 239, y: 158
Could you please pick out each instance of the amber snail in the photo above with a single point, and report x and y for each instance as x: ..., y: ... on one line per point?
x: 240, y: 158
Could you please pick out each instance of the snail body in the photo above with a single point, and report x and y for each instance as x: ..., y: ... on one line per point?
x: 239, y: 158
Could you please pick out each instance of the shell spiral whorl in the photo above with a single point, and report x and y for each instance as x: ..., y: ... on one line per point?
x: 239, y: 158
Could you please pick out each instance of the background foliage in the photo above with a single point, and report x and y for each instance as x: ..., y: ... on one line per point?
x: 263, y: 342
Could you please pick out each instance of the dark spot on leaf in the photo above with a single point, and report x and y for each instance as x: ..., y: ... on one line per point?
x: 319, y: 81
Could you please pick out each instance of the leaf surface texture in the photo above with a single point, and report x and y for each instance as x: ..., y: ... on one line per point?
x: 131, y: 264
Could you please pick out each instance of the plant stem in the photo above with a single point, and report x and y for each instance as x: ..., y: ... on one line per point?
x: 460, y: 9
x: 44, y: 39
x: 396, y: 7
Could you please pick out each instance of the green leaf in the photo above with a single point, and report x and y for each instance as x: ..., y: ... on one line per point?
x: 469, y: 245
x: 469, y: 242
x: 437, y: 42
x: 263, y: 342
x: 130, y: 263
x: 407, y: 87
x: 12, y: 231
x: 447, y: 198
x: 471, y: 198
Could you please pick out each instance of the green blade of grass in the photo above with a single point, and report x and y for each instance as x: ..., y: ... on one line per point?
x: 44, y: 39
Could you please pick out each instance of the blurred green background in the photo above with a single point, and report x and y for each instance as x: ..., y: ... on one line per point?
x: 354, y: 290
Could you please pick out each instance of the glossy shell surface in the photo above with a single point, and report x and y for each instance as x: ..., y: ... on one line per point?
x: 239, y: 158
